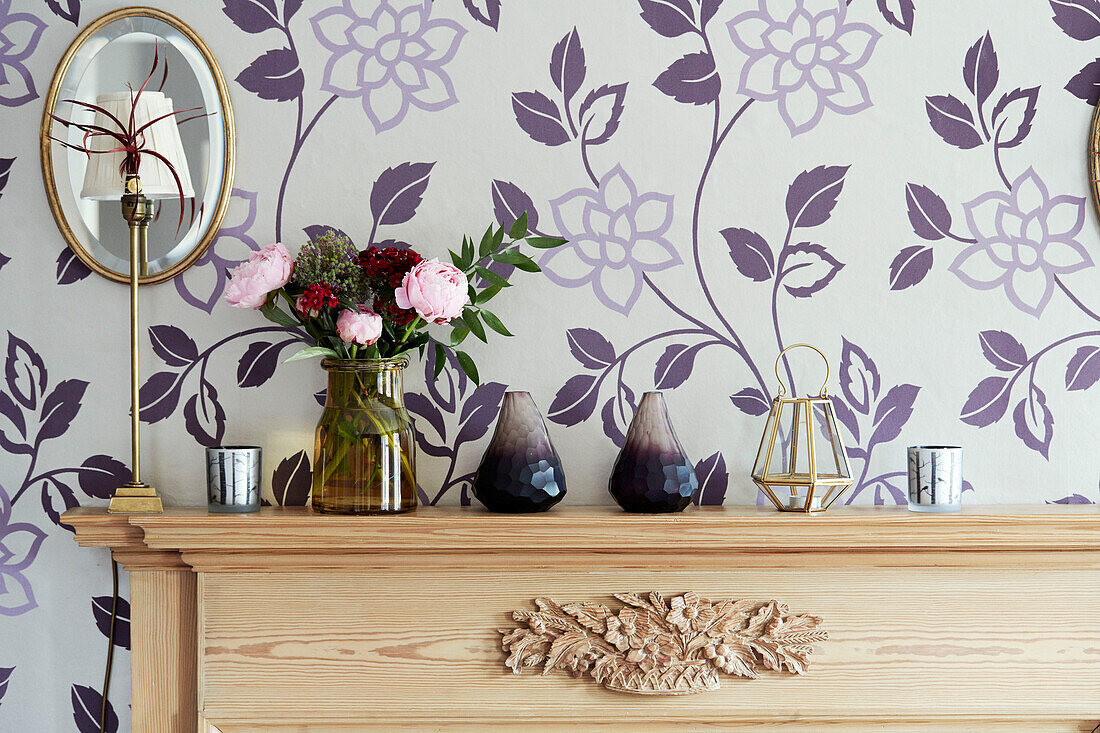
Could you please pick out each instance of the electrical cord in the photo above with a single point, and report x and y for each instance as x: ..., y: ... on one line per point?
x: 110, y: 647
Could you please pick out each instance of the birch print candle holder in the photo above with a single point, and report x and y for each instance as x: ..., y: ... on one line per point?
x: 935, y: 478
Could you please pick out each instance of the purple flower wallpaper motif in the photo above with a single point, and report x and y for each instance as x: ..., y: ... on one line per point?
x: 390, y: 57
x: 1023, y: 241
x: 19, y: 545
x: 19, y: 36
x: 204, y: 282
x: 1025, y: 238
x: 731, y: 180
x: 806, y: 56
x: 616, y: 235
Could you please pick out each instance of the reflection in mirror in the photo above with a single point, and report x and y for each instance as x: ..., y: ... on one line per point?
x: 115, y: 51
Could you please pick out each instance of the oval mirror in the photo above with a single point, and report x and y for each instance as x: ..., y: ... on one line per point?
x: 114, y: 51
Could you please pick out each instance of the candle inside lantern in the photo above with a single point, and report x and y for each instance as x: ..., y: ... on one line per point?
x: 798, y: 501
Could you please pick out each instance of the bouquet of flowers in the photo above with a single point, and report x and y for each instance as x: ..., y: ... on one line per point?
x: 379, y: 303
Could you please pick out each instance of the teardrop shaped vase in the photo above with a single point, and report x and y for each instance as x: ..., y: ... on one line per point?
x: 652, y: 475
x: 520, y: 472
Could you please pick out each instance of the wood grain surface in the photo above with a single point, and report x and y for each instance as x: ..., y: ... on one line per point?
x: 988, y: 620
x: 857, y: 529
x: 903, y: 643
x: 164, y: 656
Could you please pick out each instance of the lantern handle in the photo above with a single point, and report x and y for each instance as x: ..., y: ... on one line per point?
x: 828, y: 370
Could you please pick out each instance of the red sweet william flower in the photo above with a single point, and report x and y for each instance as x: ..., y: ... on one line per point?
x: 386, y: 267
x: 386, y: 308
x: 316, y: 297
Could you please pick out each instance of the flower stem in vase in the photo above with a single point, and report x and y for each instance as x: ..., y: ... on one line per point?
x: 365, y: 440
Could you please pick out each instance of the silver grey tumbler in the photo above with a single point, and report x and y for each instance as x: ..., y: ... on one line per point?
x: 233, y: 478
x: 935, y: 478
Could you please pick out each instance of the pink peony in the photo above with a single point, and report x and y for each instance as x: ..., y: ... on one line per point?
x: 265, y: 271
x: 362, y: 328
x: 435, y: 290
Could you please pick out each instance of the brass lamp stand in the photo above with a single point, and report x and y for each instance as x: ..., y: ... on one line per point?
x: 137, y: 209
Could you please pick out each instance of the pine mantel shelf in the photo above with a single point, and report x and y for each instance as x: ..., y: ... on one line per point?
x: 290, y: 620
x: 752, y: 529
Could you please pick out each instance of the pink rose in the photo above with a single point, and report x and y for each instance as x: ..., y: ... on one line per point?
x: 362, y: 328
x: 265, y: 271
x: 435, y: 290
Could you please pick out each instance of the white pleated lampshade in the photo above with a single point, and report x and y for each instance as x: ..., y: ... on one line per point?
x: 102, y: 180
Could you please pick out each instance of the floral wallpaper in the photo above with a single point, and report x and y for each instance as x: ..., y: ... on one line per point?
x: 899, y: 182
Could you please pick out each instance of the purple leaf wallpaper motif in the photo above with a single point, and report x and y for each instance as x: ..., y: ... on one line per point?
x: 898, y: 182
x: 101, y: 609
x: 87, y: 704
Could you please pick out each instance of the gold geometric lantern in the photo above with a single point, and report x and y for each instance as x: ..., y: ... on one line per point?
x: 802, y: 465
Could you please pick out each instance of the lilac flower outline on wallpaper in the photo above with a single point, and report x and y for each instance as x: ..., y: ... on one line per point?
x: 19, y: 36
x: 19, y: 546
x: 806, y: 57
x: 202, y: 284
x: 391, y: 60
x: 1026, y: 238
x: 616, y: 236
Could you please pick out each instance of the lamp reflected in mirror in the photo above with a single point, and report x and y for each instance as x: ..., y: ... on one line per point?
x: 112, y: 51
x: 110, y: 147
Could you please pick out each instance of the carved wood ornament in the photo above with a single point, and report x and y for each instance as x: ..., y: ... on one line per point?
x: 650, y: 646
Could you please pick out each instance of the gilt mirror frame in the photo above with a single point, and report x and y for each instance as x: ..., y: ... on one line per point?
x: 1094, y: 159
x: 229, y: 144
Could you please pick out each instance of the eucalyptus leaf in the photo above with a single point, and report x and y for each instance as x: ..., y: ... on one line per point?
x: 459, y: 335
x: 512, y: 257
x: 273, y: 313
x: 467, y: 253
x: 440, y: 360
x: 546, y: 242
x: 528, y: 265
x: 519, y: 227
x: 468, y: 366
x: 312, y: 351
x: 486, y: 295
x: 486, y: 243
x: 473, y: 323
x: 492, y: 278
x: 494, y: 323
x: 347, y: 431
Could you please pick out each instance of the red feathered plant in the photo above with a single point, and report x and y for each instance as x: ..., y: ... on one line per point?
x: 130, y: 137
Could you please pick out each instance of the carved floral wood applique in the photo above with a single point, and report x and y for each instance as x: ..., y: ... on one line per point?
x: 651, y: 646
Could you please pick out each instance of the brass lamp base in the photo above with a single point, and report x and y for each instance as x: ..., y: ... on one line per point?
x: 135, y: 498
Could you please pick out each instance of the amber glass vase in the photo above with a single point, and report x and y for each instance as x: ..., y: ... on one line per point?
x: 364, y: 454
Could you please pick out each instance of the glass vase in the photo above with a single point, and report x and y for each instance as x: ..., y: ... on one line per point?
x: 652, y: 475
x: 520, y: 472
x: 364, y: 453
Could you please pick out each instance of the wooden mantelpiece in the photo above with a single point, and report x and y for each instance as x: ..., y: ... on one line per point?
x: 287, y: 620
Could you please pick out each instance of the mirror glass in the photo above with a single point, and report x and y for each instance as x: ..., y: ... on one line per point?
x: 113, y: 52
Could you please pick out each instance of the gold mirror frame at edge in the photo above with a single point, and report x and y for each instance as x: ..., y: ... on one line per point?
x: 46, y: 145
x: 1094, y: 159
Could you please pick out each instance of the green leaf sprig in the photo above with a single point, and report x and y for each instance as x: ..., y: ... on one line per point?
x: 497, y: 245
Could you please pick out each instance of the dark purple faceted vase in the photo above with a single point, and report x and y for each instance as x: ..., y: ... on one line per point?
x: 520, y: 472
x: 652, y: 475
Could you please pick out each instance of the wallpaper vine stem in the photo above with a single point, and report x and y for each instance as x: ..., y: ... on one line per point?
x: 624, y: 127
